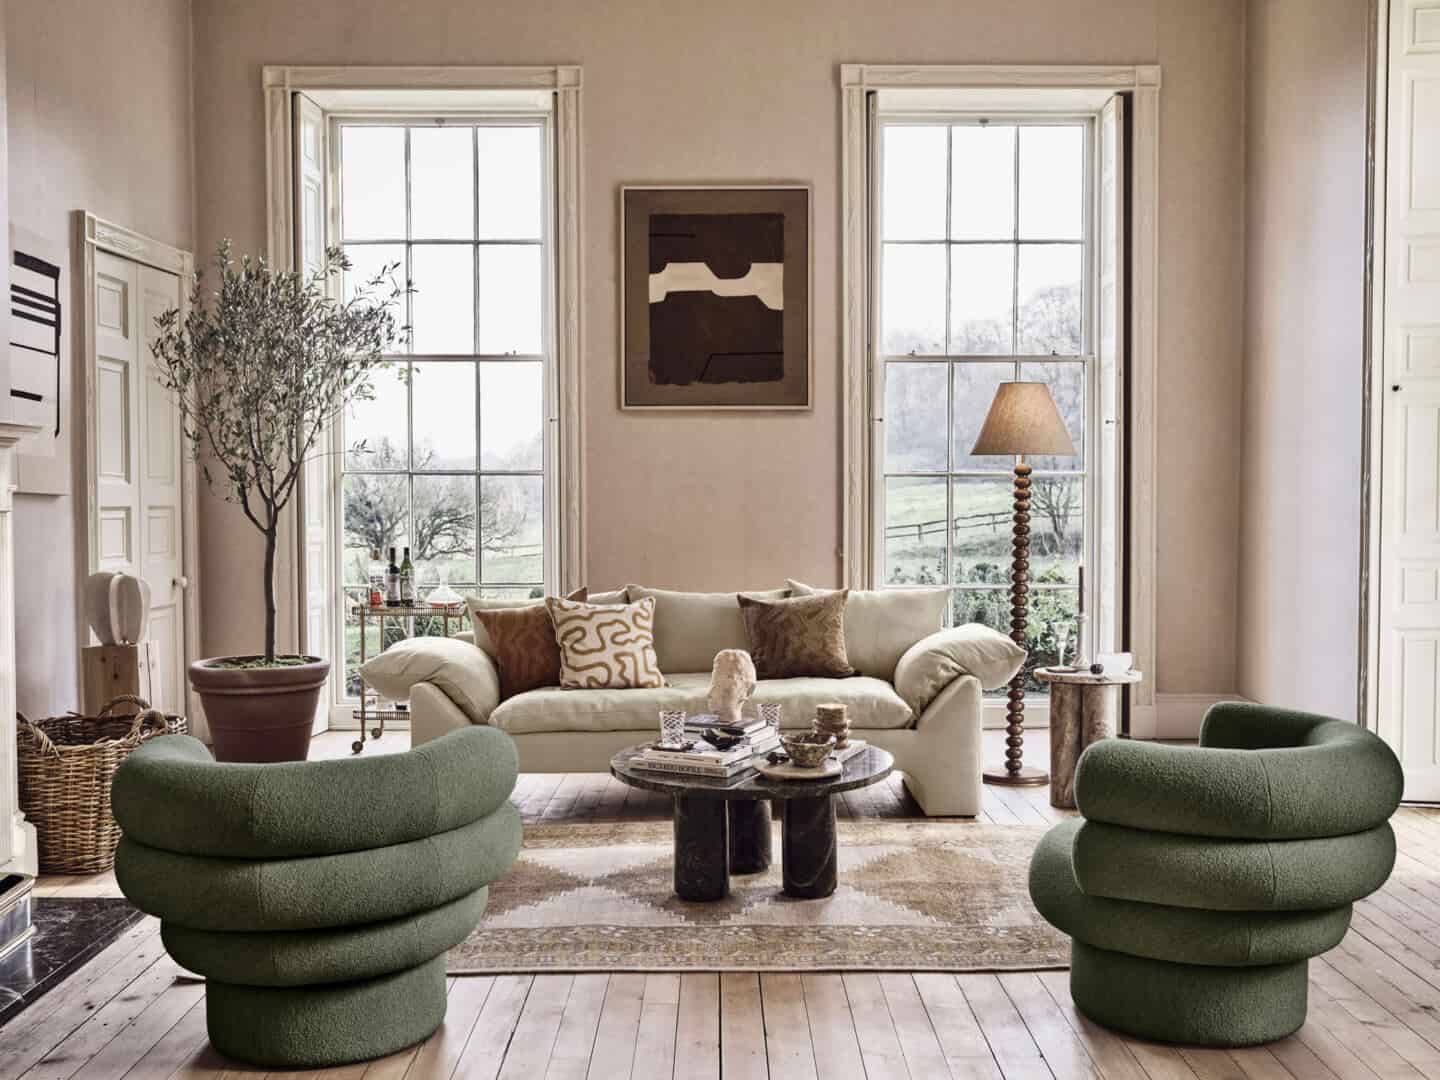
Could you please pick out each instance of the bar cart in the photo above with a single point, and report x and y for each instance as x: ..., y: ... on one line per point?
x: 381, y: 711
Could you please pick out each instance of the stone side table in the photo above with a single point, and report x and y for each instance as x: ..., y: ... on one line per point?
x: 1083, y: 709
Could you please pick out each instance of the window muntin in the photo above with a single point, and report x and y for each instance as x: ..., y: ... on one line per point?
x: 985, y: 276
x: 450, y: 458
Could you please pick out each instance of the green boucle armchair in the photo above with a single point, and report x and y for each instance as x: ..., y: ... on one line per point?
x: 317, y: 898
x: 1201, y: 881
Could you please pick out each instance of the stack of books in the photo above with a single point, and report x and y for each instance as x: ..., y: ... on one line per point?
x: 703, y: 759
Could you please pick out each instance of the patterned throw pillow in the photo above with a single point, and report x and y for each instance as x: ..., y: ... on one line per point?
x: 522, y: 641
x: 606, y: 646
x: 805, y: 635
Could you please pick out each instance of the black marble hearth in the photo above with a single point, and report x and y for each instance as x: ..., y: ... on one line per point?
x: 68, y: 933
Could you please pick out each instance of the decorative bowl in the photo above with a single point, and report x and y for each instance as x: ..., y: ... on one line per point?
x: 808, y: 749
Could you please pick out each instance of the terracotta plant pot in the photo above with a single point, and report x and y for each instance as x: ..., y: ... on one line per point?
x: 261, y: 713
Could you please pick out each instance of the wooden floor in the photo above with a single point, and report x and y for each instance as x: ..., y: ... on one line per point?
x: 1374, y: 1001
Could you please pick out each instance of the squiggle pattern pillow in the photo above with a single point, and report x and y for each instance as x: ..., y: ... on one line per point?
x: 606, y: 646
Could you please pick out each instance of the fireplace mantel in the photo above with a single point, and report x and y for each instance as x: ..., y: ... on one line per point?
x: 17, y: 836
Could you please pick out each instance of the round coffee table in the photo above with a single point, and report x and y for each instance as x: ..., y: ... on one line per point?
x: 723, y: 827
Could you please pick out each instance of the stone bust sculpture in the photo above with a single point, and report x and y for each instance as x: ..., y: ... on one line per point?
x: 732, y: 681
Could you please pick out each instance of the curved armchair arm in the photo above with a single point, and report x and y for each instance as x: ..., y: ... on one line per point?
x: 466, y: 674
x: 1259, y: 774
x: 171, y: 794
x: 937, y: 660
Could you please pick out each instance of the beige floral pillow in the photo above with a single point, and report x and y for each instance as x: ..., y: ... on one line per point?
x: 606, y: 646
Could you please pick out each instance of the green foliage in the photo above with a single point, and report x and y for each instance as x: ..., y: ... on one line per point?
x: 260, y: 365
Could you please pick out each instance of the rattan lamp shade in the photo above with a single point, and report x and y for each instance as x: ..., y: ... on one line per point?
x: 1023, y: 419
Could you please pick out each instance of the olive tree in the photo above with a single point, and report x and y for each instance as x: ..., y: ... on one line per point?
x: 260, y: 364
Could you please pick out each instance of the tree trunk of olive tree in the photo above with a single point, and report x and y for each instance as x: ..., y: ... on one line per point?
x: 270, y: 538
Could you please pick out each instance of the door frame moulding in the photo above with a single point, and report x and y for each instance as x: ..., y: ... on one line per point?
x: 858, y: 316
x: 566, y: 414
x: 94, y: 234
x: 1373, y: 370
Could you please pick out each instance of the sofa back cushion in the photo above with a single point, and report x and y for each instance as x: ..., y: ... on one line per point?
x: 691, y: 627
x: 881, y: 624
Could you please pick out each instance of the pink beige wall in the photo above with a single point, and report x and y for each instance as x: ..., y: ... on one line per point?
x: 99, y: 119
x: 747, y: 91
x: 1304, y: 326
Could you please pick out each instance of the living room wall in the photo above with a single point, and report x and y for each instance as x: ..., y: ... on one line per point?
x: 1304, y: 340
x: 99, y: 119
x: 747, y: 91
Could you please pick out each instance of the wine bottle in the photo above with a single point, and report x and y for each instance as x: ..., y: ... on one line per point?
x: 392, y: 582
x: 376, y: 576
x: 407, y: 580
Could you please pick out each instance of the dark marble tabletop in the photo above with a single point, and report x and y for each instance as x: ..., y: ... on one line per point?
x: 867, y: 767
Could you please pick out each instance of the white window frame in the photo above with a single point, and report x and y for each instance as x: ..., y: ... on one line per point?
x: 400, y: 92
x: 949, y: 91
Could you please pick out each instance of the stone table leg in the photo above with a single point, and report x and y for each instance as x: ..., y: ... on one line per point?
x: 1066, y: 720
x: 808, y: 846
x: 702, y: 849
x: 749, y: 836
x: 1102, y: 713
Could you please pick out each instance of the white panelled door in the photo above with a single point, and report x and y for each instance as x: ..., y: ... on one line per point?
x: 1408, y: 701
x: 139, y: 520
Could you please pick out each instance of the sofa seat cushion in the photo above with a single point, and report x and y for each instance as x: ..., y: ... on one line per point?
x: 303, y: 957
x: 1180, y: 935
x: 1231, y: 875
x: 322, y: 892
x: 873, y: 705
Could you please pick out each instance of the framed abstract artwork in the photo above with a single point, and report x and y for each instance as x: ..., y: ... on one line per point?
x: 715, y: 297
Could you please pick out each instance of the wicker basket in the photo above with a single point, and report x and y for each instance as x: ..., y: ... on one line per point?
x: 66, y: 764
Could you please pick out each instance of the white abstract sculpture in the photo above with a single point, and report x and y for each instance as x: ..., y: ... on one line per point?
x: 732, y: 681
x: 117, y: 606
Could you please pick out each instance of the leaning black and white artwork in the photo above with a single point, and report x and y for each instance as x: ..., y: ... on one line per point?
x: 39, y: 364
x: 716, y: 304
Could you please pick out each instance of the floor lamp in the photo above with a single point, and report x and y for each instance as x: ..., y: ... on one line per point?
x: 1022, y: 420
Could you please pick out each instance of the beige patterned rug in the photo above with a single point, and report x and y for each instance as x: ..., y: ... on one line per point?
x: 914, y: 895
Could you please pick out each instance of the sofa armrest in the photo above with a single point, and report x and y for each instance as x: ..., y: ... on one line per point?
x: 935, y: 661
x: 467, y: 675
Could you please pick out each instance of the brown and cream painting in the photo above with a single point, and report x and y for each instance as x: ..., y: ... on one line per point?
x: 716, y: 303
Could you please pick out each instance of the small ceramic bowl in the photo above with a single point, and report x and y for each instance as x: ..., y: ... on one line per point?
x: 808, y: 749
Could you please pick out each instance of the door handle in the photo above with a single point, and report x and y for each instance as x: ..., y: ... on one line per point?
x: 181, y: 582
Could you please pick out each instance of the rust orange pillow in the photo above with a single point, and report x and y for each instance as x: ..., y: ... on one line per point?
x: 524, y: 647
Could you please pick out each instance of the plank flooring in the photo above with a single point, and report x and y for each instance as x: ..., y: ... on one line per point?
x: 1374, y: 1001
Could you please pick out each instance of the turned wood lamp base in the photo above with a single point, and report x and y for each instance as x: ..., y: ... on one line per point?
x: 1013, y: 772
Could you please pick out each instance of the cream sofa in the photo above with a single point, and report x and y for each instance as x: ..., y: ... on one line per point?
x: 917, y: 694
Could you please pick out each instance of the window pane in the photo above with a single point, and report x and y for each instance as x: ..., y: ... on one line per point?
x: 981, y: 299
x: 511, y: 188
x: 984, y: 517
x: 442, y: 184
x: 1066, y: 379
x: 511, y: 288
x: 369, y: 262
x: 444, y: 395
x: 988, y: 607
x: 1057, y: 524
x: 915, y: 531
x: 912, y: 305
x: 914, y: 183
x: 444, y: 300
x: 352, y: 638
x: 1051, y: 621
x: 512, y: 529
x: 982, y: 182
x: 975, y: 386
x: 375, y: 430
x: 1052, y: 182
x: 372, y: 202
x: 377, y: 515
x: 1050, y: 299
x: 444, y: 547
x: 512, y: 420
x: 915, y: 396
